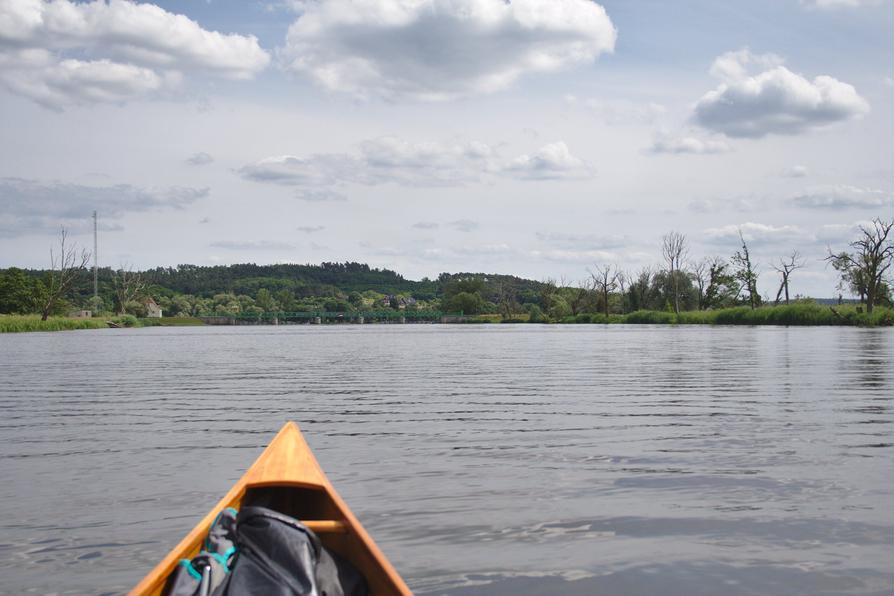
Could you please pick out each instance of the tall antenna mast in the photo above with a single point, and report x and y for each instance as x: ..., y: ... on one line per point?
x: 95, y: 274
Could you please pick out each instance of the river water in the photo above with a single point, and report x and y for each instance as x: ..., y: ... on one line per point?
x: 483, y: 459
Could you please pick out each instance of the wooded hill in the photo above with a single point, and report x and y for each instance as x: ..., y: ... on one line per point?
x: 195, y: 289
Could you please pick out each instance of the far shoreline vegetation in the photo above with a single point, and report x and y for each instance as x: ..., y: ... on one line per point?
x: 680, y: 291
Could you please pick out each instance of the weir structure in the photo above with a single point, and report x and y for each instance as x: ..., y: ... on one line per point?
x: 319, y: 317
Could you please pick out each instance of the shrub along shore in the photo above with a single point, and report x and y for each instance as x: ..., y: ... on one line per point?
x: 804, y: 314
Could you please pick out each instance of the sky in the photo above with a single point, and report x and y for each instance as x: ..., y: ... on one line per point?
x: 536, y: 138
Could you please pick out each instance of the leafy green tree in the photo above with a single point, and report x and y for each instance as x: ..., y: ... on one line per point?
x: 181, y: 306
x: 97, y: 305
x: 663, y: 291
x: 721, y: 288
x: 535, y: 315
x: 559, y: 308
x: 468, y: 303
x: 245, y: 302
x: 372, y: 299
x: 463, y: 286
x: 356, y: 299
x: 265, y: 301
x: 864, y: 271
x: 133, y: 307
x: 286, y: 300
x: 581, y: 298
x: 227, y: 304
x: 17, y: 292
x: 335, y: 305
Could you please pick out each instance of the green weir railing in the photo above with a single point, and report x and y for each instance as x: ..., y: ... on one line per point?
x: 410, y: 315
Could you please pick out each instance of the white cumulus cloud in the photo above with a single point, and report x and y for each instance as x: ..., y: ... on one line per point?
x: 551, y: 161
x: 834, y: 4
x: 688, y: 144
x: 618, y: 112
x: 757, y: 233
x: 199, y: 159
x: 428, y: 164
x: 463, y: 225
x: 441, y: 49
x: 571, y: 241
x: 313, y: 195
x: 843, y: 196
x: 796, y: 172
x: 774, y: 100
x: 576, y: 256
x: 62, y: 52
x: 251, y: 245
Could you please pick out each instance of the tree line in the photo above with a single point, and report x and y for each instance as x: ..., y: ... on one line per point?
x: 678, y: 283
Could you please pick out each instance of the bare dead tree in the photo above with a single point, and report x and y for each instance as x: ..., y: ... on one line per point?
x: 579, y: 296
x: 548, y: 292
x: 507, y: 301
x: 605, y: 281
x: 639, y: 288
x: 622, y: 288
x: 865, y: 269
x: 701, y: 274
x: 785, y: 267
x: 129, y: 286
x: 674, y: 250
x: 746, y: 273
x: 64, y: 269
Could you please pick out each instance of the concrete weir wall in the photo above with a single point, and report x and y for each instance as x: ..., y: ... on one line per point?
x: 356, y: 320
x: 218, y: 320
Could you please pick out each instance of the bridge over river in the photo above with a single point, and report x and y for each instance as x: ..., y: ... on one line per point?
x: 319, y: 317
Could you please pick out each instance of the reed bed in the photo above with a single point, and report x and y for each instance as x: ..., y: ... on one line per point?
x: 23, y: 323
x: 799, y: 314
x: 802, y: 314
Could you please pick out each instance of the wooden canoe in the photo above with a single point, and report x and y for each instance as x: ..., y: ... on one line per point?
x: 286, y: 477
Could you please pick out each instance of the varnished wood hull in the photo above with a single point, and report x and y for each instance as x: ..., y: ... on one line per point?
x: 287, y: 477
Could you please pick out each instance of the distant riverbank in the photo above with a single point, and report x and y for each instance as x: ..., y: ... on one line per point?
x: 25, y: 323
x: 794, y: 315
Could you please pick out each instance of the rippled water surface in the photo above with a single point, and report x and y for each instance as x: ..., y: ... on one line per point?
x: 484, y: 460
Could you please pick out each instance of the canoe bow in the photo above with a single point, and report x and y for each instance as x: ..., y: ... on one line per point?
x: 288, y: 468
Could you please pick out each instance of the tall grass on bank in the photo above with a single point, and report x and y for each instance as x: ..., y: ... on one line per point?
x: 17, y: 323
x: 802, y: 314
x: 23, y: 323
x: 798, y: 314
